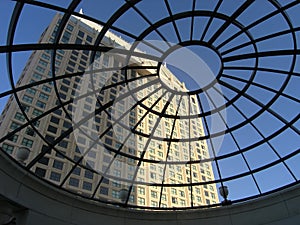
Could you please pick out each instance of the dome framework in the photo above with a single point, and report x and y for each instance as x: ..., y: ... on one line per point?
x: 256, y: 80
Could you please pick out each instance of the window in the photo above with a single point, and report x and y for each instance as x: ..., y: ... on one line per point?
x: 54, y: 33
x: 88, y: 174
x: 54, y: 120
x: 82, y: 63
x: 37, y: 76
x: 58, y: 164
x: 131, y: 198
x: 62, y: 96
x: 59, y: 57
x: 40, y: 69
x: 109, y: 133
x: 27, y: 99
x: 97, y: 56
x: 86, y: 52
x: 131, y: 168
x: 58, y: 112
x: 20, y: 117
x: 74, y: 182
x: 90, y: 164
x: 36, y: 112
x: 174, y: 200
x: 60, y: 154
x: 74, y: 58
x: 173, y: 191
x: 81, y: 140
x: 92, y: 154
x: 154, y: 204
x: 30, y: 131
x: 117, y: 173
x: 108, y: 141
x: 78, y: 41
x: 67, y: 34
x: 83, y: 57
x: 104, y: 190
x: 172, y: 174
x: 116, y: 184
x: 49, y: 138
x: 76, y: 158
x: 141, y: 190
x: 43, y: 63
x: 153, y: 175
x: 52, y: 129
x: 44, y: 160
x: 27, y: 142
x: 213, y: 196
x: 182, y: 202
x: 163, y: 197
x: 31, y: 91
x: 142, y: 171
x: 80, y: 33
x: 64, y: 88
x: 40, y: 172
x: 87, y: 186
x: 66, y: 37
x: 198, y: 199
x: 69, y: 69
x: 80, y: 68
x: 46, y: 88
x: 66, y: 81
x: 25, y: 107
x: 105, y: 60
x: 160, y: 154
x: 89, y: 38
x: 44, y: 56
x: 141, y: 201
x: 105, y: 181
x: 7, y: 148
x: 67, y: 125
x: 55, y: 176
x: 74, y: 52
x: 70, y: 27
x: 61, y: 51
x: 153, y: 194
x: 40, y: 104
x: 115, y: 194
x: 44, y: 96
x: 63, y: 144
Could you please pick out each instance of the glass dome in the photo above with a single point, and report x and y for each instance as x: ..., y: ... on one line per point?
x: 153, y: 104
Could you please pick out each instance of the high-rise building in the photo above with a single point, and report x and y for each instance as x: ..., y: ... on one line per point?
x: 100, y: 128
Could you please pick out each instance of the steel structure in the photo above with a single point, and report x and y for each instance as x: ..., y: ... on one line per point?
x: 259, y: 67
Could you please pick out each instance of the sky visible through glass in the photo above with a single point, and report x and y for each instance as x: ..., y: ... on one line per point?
x: 34, y: 20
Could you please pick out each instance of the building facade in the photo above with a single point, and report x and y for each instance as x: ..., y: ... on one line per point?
x: 102, y: 129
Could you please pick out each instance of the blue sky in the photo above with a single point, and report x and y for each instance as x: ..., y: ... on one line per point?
x: 34, y: 20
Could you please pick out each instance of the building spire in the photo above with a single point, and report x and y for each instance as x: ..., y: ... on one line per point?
x: 81, y: 11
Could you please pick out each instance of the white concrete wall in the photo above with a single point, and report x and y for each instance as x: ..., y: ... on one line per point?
x: 41, y: 203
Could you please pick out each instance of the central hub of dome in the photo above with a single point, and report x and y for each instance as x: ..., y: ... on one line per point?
x: 196, y: 67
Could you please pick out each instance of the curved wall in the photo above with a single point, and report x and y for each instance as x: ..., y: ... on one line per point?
x: 33, y: 201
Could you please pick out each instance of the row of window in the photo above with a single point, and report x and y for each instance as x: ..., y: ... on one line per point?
x: 105, y: 190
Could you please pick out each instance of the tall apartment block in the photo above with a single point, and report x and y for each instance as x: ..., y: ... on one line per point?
x: 101, y: 131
